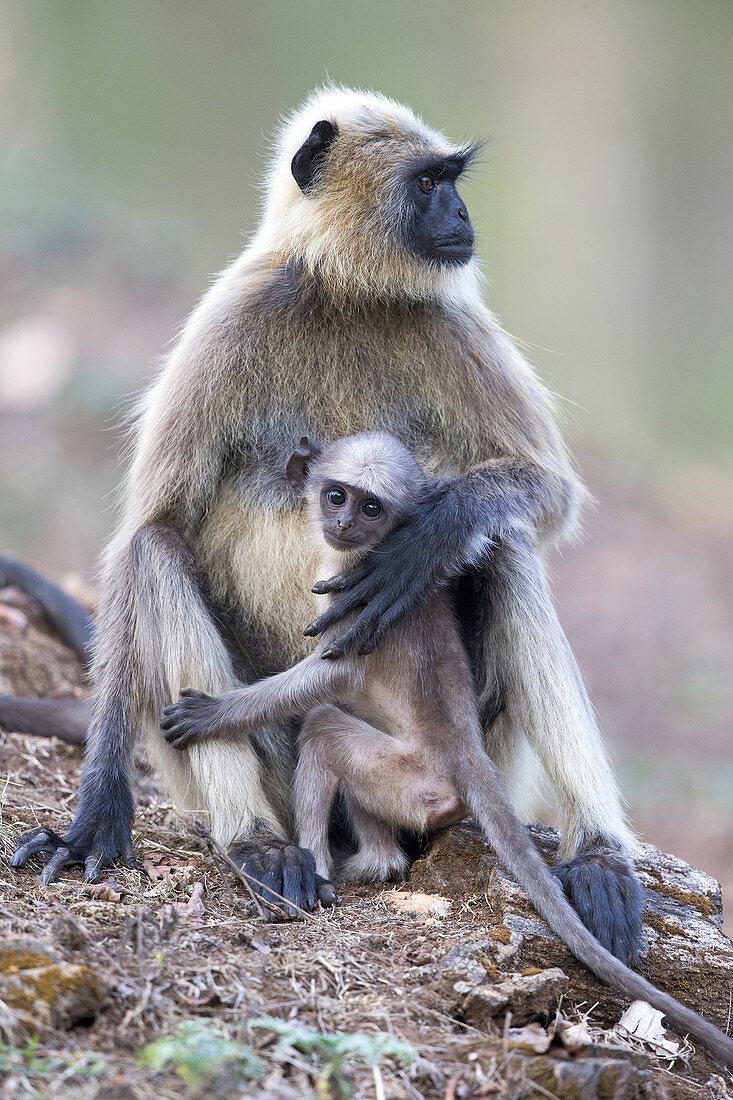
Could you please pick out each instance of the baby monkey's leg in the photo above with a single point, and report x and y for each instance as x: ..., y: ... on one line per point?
x: 314, y: 786
x: 379, y: 857
x: 387, y: 783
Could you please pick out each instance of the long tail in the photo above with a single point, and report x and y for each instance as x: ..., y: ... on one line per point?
x: 67, y: 719
x: 516, y: 850
x: 69, y: 619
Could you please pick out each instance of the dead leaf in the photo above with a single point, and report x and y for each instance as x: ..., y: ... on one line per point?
x: 574, y: 1036
x: 532, y: 1036
x: 261, y: 943
x: 417, y: 904
x: 157, y: 868
x: 103, y: 891
x: 193, y: 910
x: 642, y: 1022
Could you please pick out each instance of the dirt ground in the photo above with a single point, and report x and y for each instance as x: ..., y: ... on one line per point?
x: 177, y: 943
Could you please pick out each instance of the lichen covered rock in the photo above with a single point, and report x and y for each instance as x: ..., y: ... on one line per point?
x: 686, y: 953
x: 42, y: 990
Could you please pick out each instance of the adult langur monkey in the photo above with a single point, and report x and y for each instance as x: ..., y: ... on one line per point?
x: 357, y: 306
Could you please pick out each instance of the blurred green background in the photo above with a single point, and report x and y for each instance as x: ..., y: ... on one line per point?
x: 133, y: 137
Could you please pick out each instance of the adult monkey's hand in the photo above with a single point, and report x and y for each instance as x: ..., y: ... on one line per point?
x: 454, y: 527
x: 448, y: 531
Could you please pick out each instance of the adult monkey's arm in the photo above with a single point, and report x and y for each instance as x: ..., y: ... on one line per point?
x: 155, y: 631
x: 453, y: 529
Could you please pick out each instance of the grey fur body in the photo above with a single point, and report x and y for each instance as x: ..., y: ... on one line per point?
x: 327, y: 325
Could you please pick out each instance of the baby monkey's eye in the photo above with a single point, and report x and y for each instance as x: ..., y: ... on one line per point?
x: 371, y: 509
x: 426, y: 183
x: 337, y: 497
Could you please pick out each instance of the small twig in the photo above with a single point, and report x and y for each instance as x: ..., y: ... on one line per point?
x: 140, y: 934
x: 198, y: 827
x: 378, y: 1082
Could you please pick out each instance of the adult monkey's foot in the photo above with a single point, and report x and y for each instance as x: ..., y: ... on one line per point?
x: 606, y: 894
x: 282, y: 868
x: 95, y: 848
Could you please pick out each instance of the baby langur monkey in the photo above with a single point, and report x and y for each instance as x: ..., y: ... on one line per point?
x: 398, y: 730
x: 408, y: 714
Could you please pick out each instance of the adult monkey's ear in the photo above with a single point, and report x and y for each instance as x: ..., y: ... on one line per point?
x: 309, y: 159
x: 297, y: 468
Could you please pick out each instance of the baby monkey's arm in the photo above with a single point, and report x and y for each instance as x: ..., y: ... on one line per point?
x: 308, y: 684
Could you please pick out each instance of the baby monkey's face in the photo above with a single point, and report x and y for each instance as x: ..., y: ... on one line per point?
x: 352, y: 519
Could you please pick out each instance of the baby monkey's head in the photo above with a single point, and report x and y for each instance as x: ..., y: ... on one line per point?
x: 358, y: 488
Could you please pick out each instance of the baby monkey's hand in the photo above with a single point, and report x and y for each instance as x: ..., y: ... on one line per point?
x: 192, y: 718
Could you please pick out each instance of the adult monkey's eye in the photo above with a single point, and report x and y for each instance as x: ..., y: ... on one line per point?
x: 337, y: 497
x: 425, y: 183
x: 371, y: 509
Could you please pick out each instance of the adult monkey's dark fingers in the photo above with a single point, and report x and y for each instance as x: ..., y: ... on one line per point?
x: 366, y: 633
x: 374, y: 639
x: 299, y: 878
x: 278, y: 867
x: 606, y: 894
x: 362, y: 594
x: 363, y: 627
x: 327, y: 893
x: 343, y: 581
x: 394, y: 600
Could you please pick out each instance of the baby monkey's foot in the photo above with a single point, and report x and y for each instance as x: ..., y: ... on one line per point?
x: 376, y: 864
x: 192, y: 718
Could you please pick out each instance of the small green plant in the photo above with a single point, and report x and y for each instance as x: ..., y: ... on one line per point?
x: 25, y: 1060
x: 198, y: 1050
x: 336, y: 1049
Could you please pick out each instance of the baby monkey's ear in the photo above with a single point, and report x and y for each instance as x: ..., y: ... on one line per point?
x: 299, y: 462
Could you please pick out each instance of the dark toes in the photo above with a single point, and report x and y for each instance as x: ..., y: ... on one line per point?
x: 299, y: 879
x: 41, y: 842
x: 607, y: 897
x: 128, y: 857
x: 279, y: 868
x: 93, y: 864
x: 326, y: 890
x: 333, y: 653
x: 94, y: 846
x: 38, y: 841
x: 61, y: 858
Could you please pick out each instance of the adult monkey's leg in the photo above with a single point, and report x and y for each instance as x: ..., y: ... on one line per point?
x: 528, y: 664
x: 155, y: 635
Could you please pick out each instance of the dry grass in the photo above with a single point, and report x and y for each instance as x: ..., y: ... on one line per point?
x: 345, y: 970
x: 180, y: 943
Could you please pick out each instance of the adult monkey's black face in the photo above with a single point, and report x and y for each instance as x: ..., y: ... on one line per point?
x: 430, y: 219
x: 437, y: 227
